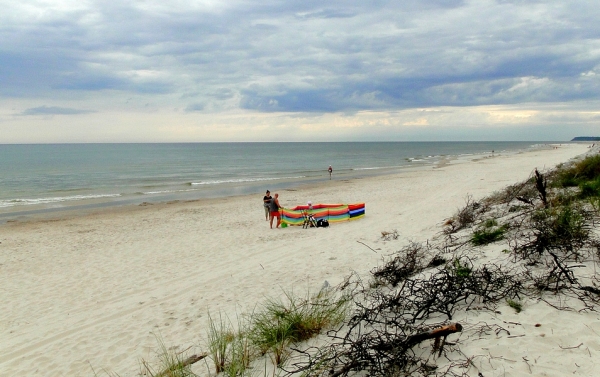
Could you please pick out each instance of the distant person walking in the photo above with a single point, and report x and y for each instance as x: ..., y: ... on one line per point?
x: 330, y: 170
x: 274, y: 207
x: 267, y: 203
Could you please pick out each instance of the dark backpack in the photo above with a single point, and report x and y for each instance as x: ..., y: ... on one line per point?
x: 322, y: 223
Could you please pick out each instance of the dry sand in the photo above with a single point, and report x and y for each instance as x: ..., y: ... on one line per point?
x: 95, y: 290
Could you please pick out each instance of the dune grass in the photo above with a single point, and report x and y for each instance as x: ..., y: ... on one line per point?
x: 170, y: 363
x: 280, y: 322
x: 219, y: 337
x: 271, y: 329
x: 515, y: 305
x: 584, y: 174
x: 487, y: 235
x: 268, y: 331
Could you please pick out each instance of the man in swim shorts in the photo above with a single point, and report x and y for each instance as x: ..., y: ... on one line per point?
x: 274, y: 207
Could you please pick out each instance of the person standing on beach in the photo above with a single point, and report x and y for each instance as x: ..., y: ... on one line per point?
x: 274, y: 207
x: 330, y: 170
x: 267, y: 204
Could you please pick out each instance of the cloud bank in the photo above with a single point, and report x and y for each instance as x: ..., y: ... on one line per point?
x: 270, y: 60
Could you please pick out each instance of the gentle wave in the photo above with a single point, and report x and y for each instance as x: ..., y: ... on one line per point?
x: 378, y: 168
x: 242, y: 180
x: 164, y: 192
x: 18, y: 202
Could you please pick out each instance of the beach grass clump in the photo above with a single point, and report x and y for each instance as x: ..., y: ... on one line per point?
x: 485, y: 235
x: 281, y: 322
x: 220, y: 336
x: 230, y: 350
x: 488, y: 232
x: 579, y: 173
x: 461, y: 269
x: 515, y: 305
x: 271, y: 329
x: 240, y: 352
x: 170, y: 364
x: 490, y: 223
x: 590, y: 189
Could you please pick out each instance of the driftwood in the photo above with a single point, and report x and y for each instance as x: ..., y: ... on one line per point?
x: 189, y: 361
x: 443, y: 331
x: 411, y: 341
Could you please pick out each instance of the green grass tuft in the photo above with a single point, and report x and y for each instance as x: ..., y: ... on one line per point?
x: 590, y: 188
x: 220, y: 335
x: 584, y: 171
x: 270, y: 330
x: 171, y: 364
x: 487, y: 235
x: 279, y: 323
x: 515, y: 305
x: 489, y: 223
x: 461, y: 270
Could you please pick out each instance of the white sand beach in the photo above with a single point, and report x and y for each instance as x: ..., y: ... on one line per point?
x: 95, y: 290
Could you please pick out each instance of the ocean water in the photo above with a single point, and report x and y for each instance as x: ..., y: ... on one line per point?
x: 53, y: 177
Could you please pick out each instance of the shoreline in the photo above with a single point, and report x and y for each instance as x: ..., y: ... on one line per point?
x: 65, y: 210
x: 97, y: 289
x: 24, y: 208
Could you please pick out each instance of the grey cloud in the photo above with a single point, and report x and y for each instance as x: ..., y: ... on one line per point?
x: 194, y: 107
x: 327, y: 13
x: 308, y: 56
x: 222, y: 94
x: 54, y: 110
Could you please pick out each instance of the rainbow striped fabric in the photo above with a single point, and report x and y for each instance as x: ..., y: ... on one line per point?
x: 333, y: 213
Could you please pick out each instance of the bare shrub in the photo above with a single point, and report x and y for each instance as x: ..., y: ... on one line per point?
x: 379, y: 338
x: 465, y: 217
x: 407, y: 262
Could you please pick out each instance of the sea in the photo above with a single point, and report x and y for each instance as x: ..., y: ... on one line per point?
x: 47, y: 178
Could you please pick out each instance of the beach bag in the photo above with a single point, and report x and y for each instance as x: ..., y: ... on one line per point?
x: 322, y: 223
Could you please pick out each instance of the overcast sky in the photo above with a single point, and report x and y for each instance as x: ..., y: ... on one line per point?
x: 298, y: 70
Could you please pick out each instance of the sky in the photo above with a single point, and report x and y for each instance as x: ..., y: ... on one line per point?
x: 298, y: 70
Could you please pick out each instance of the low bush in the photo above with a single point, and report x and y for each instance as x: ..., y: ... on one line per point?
x: 465, y: 217
x: 555, y: 231
x: 407, y: 261
x: 487, y: 235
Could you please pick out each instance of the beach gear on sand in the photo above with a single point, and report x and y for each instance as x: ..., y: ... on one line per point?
x: 322, y: 223
x: 333, y: 213
x: 309, y: 219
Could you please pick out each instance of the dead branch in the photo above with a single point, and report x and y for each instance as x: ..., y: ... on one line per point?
x: 189, y: 361
x: 540, y: 185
